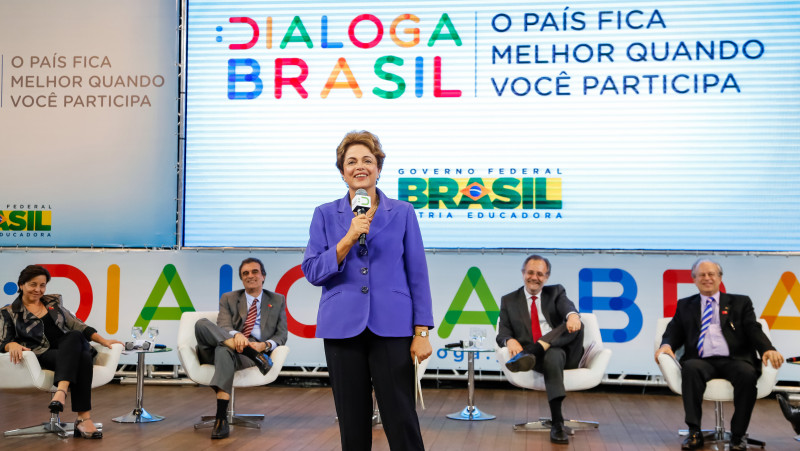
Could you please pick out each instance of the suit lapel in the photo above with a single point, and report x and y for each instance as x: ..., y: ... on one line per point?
x: 266, y: 302
x: 241, y: 307
x: 548, y: 306
x: 382, y: 217
x: 345, y: 213
x: 522, y: 312
x: 724, y: 307
x: 696, y: 313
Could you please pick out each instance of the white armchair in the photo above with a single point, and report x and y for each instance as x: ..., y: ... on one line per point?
x: 717, y: 390
x: 589, y: 375
x: 29, y: 374
x: 202, y: 374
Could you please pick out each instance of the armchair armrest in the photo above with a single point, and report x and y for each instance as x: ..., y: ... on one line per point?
x: 26, y: 374
x: 766, y: 382
x: 107, y: 357
x: 671, y: 371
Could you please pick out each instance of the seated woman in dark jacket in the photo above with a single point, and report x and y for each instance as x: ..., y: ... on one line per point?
x: 39, y: 323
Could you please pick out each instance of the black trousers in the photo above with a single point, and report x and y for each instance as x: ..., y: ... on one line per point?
x: 565, y: 352
x: 72, y: 361
x: 696, y: 373
x: 358, y: 364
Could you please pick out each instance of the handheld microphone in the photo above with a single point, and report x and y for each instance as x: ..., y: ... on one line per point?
x: 793, y: 359
x: 360, y: 204
x: 458, y: 344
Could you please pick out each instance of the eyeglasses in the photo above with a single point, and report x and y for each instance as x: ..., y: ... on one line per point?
x: 253, y: 272
x: 707, y: 274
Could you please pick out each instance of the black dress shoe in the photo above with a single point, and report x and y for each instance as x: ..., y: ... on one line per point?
x: 262, y: 361
x: 790, y: 412
x: 221, y: 428
x: 693, y: 441
x: 558, y: 434
x: 738, y: 443
x: 521, y: 362
x: 57, y: 406
x: 78, y: 433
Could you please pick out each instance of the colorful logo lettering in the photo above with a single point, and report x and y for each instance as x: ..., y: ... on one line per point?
x: 670, y: 281
x: 169, y: 278
x: 481, y: 193
x: 787, y: 287
x: 26, y: 220
x: 245, y: 83
x: 625, y: 302
x: 473, y: 282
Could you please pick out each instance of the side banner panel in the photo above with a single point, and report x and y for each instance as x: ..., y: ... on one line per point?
x: 88, y: 122
x: 115, y: 290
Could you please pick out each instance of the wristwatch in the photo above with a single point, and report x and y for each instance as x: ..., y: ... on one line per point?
x: 422, y: 333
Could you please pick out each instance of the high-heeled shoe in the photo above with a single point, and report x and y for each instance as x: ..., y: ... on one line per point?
x: 79, y: 433
x: 57, y: 406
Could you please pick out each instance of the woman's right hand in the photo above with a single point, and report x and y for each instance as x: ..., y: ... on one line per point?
x: 359, y: 224
x: 15, y: 351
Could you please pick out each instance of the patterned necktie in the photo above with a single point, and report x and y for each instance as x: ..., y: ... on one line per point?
x: 251, y: 319
x: 535, y: 326
x: 705, y: 321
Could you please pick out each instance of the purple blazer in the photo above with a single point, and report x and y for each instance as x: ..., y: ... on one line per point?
x: 386, y: 290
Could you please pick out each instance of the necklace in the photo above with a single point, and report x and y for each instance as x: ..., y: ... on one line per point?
x: 371, y: 212
x: 39, y: 311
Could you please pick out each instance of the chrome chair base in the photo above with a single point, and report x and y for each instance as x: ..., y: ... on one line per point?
x: 544, y: 424
x: 248, y: 421
x: 54, y: 426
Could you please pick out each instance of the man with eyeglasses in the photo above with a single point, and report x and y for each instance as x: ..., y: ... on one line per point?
x: 543, y: 332
x: 720, y: 336
x: 250, y: 324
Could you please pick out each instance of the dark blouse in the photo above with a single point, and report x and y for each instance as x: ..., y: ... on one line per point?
x: 51, y: 331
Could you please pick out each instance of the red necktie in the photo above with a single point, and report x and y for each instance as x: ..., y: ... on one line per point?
x: 535, y: 326
x: 251, y: 319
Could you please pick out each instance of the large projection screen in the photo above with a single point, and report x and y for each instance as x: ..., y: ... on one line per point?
x: 646, y: 125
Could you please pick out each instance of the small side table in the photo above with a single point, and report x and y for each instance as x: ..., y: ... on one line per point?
x: 471, y: 412
x: 139, y: 415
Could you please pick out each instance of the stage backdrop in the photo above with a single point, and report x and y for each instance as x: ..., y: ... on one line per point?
x: 635, y: 125
x: 88, y: 122
x: 115, y: 290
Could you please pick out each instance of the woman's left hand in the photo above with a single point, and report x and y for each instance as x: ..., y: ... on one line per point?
x: 420, y: 348
x: 108, y: 343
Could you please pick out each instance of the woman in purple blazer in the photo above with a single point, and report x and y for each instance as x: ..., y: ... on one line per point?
x: 375, y: 311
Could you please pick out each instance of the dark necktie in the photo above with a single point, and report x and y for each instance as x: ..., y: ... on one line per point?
x: 536, y: 328
x: 251, y: 319
x: 705, y: 321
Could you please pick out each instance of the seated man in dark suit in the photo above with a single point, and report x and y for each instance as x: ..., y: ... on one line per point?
x: 720, y: 336
x: 542, y: 330
x: 251, y: 323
